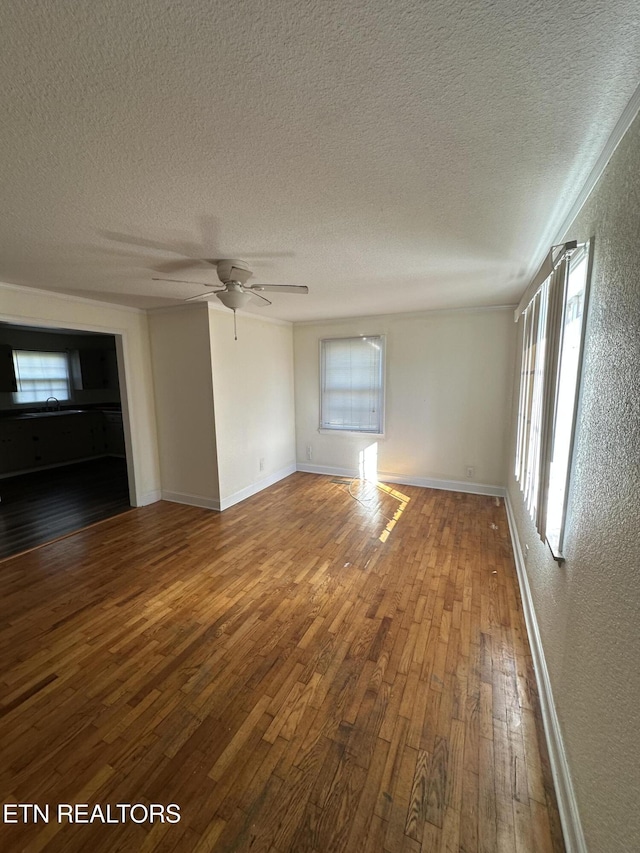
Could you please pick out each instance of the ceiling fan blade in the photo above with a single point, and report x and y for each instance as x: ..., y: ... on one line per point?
x: 252, y: 290
x: 281, y: 288
x: 202, y: 296
x: 184, y: 281
x: 200, y: 263
x: 182, y: 264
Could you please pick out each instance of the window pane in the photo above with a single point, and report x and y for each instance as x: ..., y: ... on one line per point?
x: 40, y: 375
x: 566, y: 399
x: 351, y: 397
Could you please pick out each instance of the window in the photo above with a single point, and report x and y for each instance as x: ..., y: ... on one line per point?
x: 567, y: 395
x: 352, y: 384
x: 554, y: 320
x: 40, y: 375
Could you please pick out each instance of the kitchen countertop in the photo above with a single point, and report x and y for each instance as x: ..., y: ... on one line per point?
x: 17, y: 415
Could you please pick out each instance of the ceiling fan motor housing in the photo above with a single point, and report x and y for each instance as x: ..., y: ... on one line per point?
x: 233, y: 270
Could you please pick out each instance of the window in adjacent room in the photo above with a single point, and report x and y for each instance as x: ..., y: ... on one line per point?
x: 40, y: 375
x: 352, y: 384
x: 554, y: 320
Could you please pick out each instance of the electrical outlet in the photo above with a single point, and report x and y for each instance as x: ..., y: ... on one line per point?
x: 471, y: 472
x: 309, y: 453
x: 262, y: 463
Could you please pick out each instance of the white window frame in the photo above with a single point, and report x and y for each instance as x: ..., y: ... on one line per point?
x: 338, y: 429
x: 583, y: 252
x: 543, y: 315
x: 46, y: 394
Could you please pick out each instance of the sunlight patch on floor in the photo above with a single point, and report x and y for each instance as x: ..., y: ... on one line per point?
x: 403, y: 500
x: 368, y: 474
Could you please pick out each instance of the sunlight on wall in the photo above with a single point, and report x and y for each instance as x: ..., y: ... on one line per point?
x: 368, y: 463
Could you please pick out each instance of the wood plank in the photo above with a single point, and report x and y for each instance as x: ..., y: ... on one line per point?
x: 42, y: 506
x: 293, y: 681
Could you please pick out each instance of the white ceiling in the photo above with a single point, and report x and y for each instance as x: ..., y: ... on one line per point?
x: 393, y: 156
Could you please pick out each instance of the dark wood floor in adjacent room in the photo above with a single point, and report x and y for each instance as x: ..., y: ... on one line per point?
x: 303, y: 672
x: 44, y: 505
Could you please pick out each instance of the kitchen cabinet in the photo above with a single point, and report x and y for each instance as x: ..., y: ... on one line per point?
x: 17, y: 451
x: 114, y: 433
x: 36, y: 442
x: 63, y: 438
x: 93, y: 369
x: 7, y: 372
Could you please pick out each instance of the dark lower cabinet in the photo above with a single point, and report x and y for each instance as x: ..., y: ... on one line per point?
x: 17, y: 447
x: 113, y: 434
x: 28, y: 443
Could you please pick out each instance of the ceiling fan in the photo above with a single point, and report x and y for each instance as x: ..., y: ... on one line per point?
x: 234, y: 292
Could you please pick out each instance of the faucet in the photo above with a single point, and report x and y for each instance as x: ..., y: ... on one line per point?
x: 56, y: 404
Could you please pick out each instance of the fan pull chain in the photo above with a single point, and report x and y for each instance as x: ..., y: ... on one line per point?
x: 235, y: 331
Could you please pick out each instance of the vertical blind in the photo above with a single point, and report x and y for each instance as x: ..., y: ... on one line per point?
x: 352, y: 384
x: 40, y: 375
x: 538, y: 386
x: 530, y: 403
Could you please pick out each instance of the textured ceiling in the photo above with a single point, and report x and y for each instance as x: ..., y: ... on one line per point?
x: 394, y: 156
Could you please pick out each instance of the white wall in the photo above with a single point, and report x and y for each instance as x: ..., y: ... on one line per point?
x: 254, y: 405
x: 588, y: 610
x: 184, y: 404
x: 448, y: 385
x: 28, y: 306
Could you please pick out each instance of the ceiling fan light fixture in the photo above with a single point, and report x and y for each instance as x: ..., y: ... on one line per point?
x: 233, y: 299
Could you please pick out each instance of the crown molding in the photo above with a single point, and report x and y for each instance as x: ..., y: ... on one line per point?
x: 220, y: 309
x: 67, y: 297
x: 617, y: 134
x: 427, y: 312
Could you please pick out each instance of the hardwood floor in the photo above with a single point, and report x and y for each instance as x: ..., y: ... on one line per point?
x: 44, y: 505
x: 303, y: 672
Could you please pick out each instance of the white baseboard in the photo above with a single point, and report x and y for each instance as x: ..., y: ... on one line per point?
x: 191, y: 500
x: 229, y: 500
x: 149, y: 498
x: 400, y: 479
x: 254, y: 488
x: 567, y: 805
x: 324, y: 469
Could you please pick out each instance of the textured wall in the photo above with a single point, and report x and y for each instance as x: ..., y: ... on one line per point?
x: 589, y: 608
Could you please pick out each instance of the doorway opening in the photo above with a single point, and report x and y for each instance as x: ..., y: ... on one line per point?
x: 63, y: 457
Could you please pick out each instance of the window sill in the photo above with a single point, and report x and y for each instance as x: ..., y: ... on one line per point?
x: 324, y: 431
x: 557, y: 555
